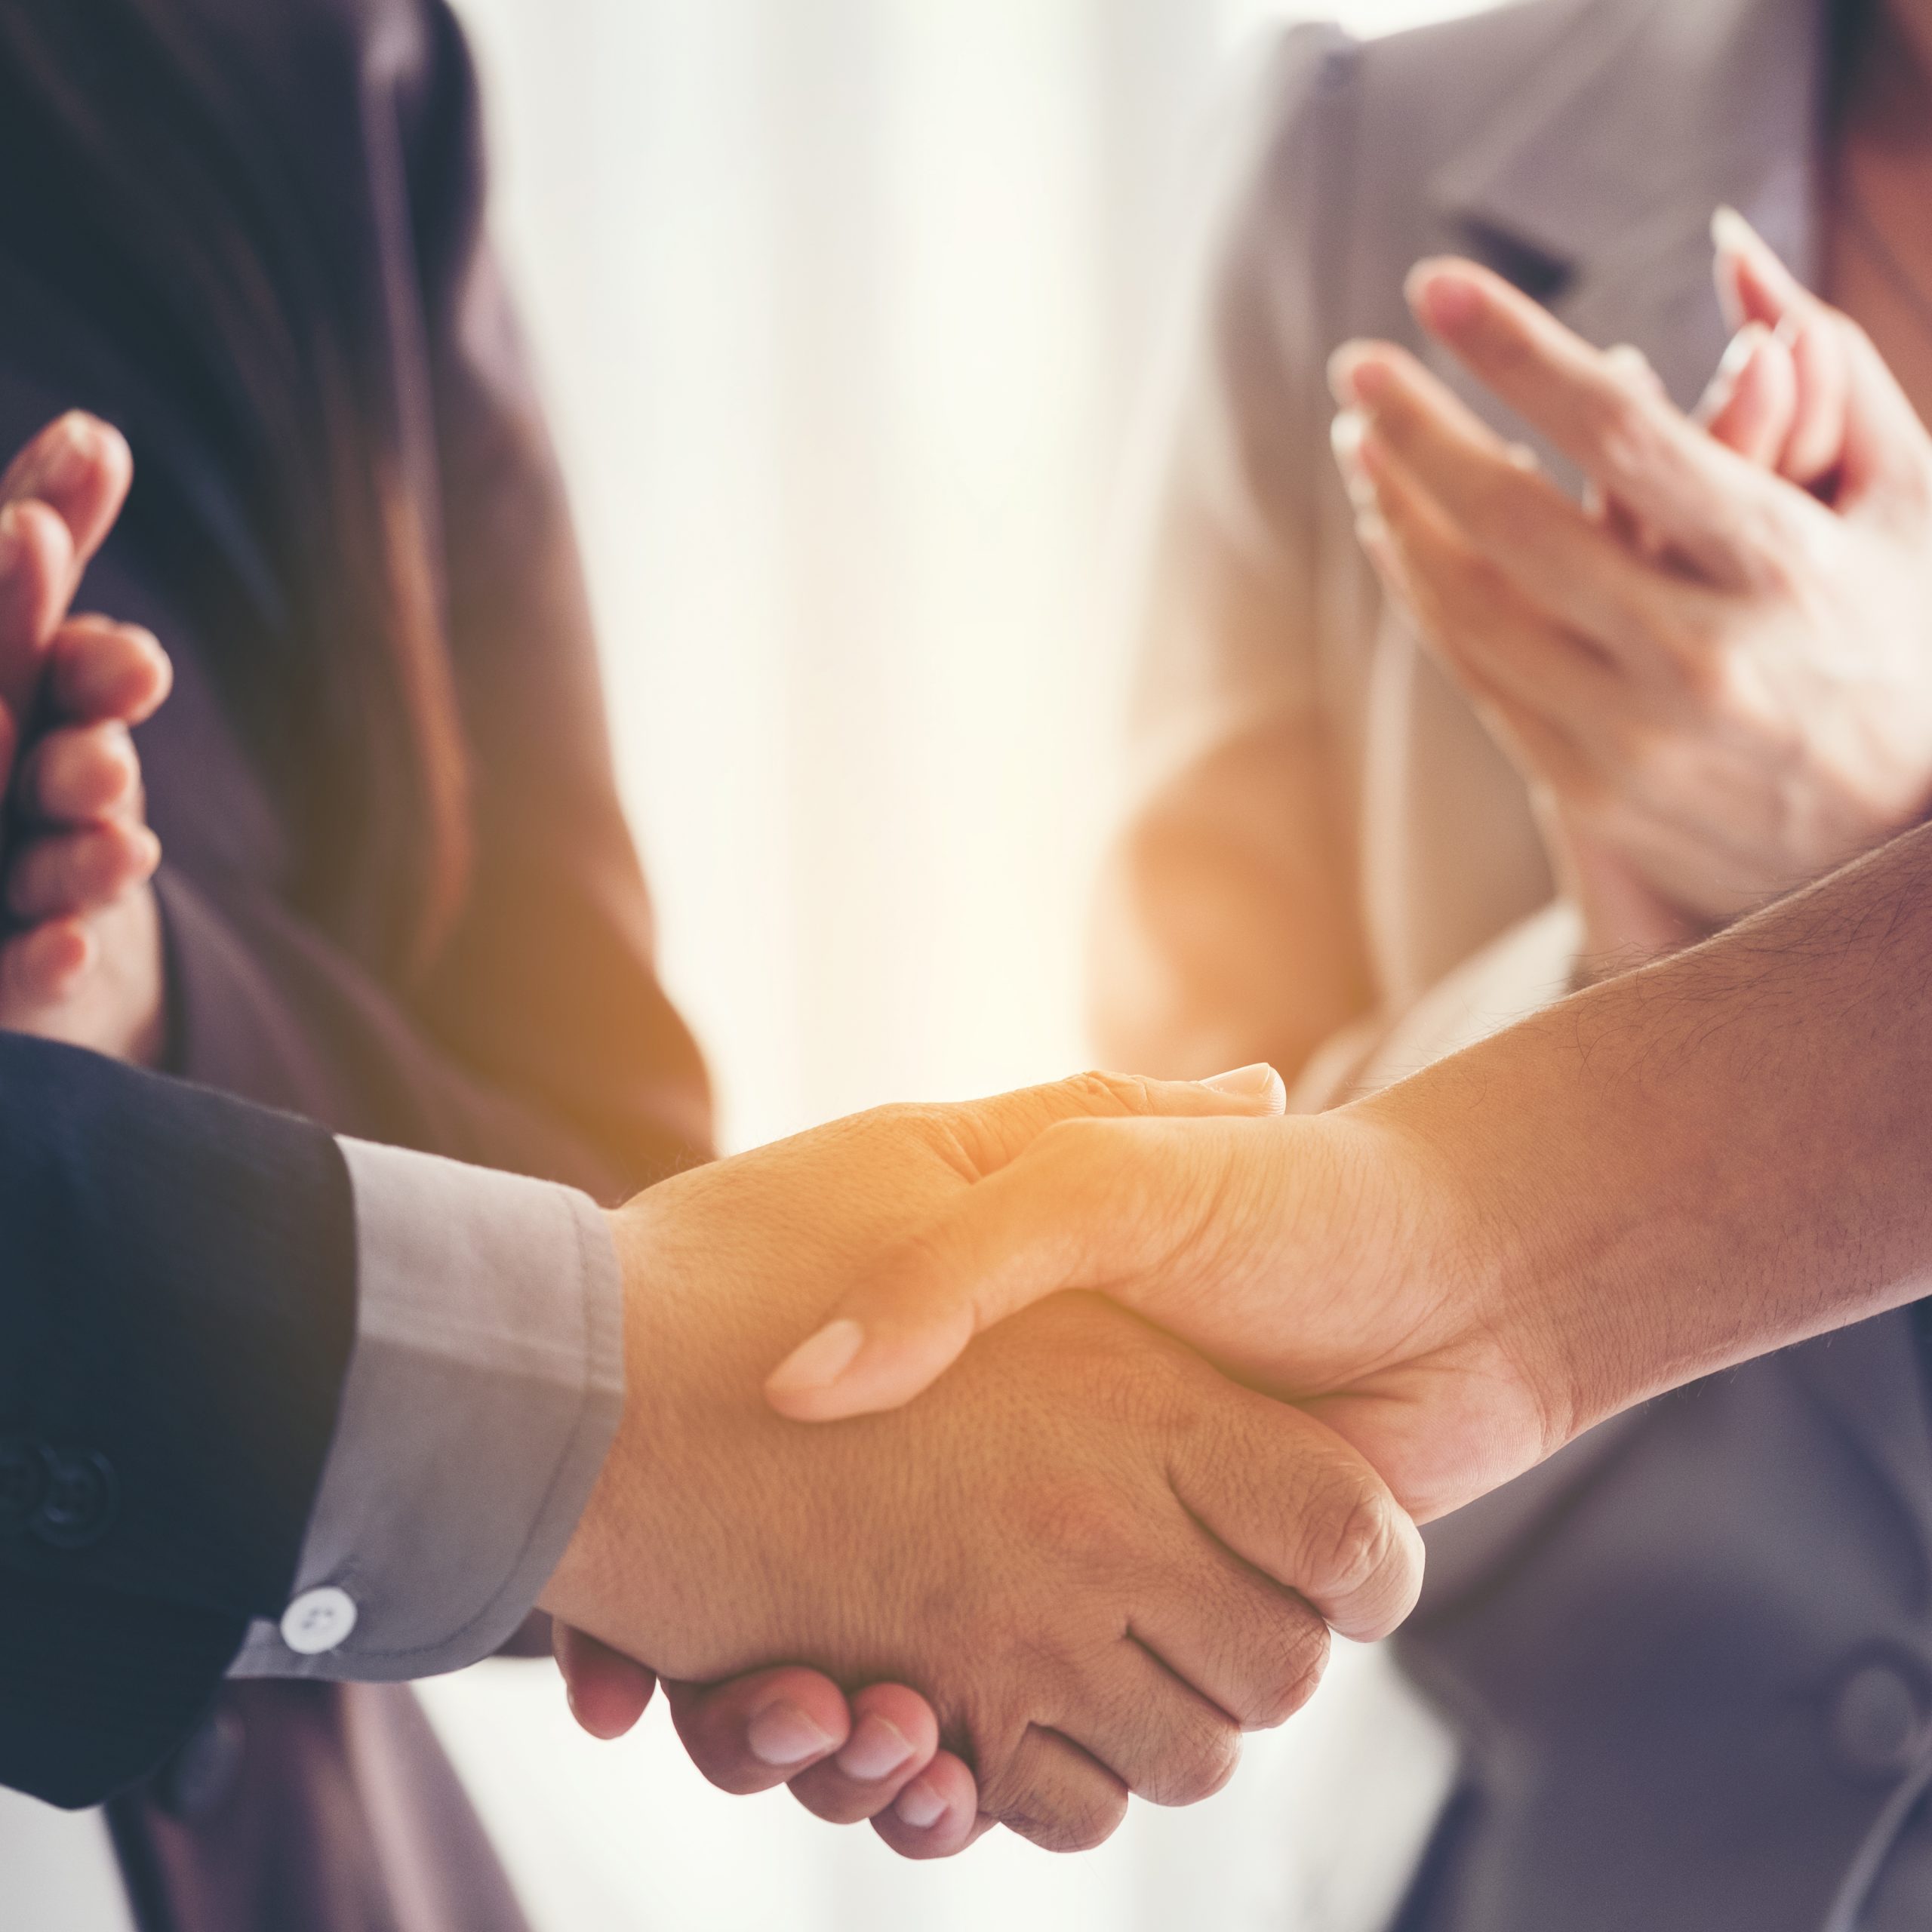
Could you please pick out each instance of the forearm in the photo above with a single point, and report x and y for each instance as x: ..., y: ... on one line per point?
x: 1705, y: 1160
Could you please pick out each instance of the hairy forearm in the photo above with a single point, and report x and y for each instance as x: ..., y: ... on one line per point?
x: 1710, y: 1158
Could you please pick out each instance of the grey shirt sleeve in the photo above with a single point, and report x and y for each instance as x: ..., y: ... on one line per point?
x: 482, y: 1395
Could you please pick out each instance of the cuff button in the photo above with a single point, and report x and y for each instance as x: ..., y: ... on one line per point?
x: 79, y: 1505
x: 318, y: 1621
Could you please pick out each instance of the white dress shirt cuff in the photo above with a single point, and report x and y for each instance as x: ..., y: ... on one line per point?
x: 483, y: 1390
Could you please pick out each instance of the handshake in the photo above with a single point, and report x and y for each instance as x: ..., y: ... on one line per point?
x: 1099, y: 1554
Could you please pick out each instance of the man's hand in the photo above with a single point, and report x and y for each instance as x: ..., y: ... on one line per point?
x: 1704, y: 1160
x: 1095, y: 1556
x: 1721, y: 685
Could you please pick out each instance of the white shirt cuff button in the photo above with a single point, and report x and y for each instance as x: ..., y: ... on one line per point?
x: 318, y: 1621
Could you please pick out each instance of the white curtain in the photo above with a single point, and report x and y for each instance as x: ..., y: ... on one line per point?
x: 840, y: 306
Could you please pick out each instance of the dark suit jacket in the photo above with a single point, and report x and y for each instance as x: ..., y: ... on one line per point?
x: 185, y: 1275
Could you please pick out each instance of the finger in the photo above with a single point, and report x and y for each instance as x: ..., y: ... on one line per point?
x: 760, y: 1731
x: 995, y: 1131
x: 1562, y: 560
x: 1289, y: 1497
x: 608, y: 1693
x: 41, y: 967
x: 1256, y: 1650
x: 98, y: 670
x: 36, y: 564
x: 937, y: 1815
x: 1755, y: 286
x: 895, y: 1736
x: 81, y: 468
x: 1158, y: 1735
x: 1054, y: 1793
x: 61, y: 872
x: 1630, y: 360
x: 1640, y: 449
x: 1475, y: 618
x: 1886, y: 446
x: 1752, y: 404
x: 75, y: 774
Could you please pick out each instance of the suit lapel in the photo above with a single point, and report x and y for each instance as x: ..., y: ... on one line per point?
x: 1620, y: 149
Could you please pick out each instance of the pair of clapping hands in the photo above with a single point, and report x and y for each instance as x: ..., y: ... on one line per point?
x: 1717, y: 672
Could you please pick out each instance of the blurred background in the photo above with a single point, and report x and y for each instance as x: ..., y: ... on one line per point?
x: 842, y: 309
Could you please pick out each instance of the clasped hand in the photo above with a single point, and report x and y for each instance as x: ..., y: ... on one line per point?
x: 1099, y: 1560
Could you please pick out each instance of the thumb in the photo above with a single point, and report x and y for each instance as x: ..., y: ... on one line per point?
x: 1091, y: 1204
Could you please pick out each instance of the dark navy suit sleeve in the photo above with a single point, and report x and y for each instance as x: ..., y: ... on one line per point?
x: 177, y: 1301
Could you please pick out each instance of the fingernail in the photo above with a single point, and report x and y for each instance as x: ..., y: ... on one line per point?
x: 1730, y: 232
x: 64, y: 466
x: 1446, y: 298
x: 1743, y: 345
x: 818, y: 1363
x: 878, y: 1748
x: 1356, y: 374
x: 1346, y: 435
x: 1260, y: 1081
x: 782, y: 1734
x: 920, y: 1806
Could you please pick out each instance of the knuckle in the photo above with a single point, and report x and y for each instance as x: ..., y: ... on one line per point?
x: 1112, y: 1093
x: 1071, y: 1821
x: 1197, y: 1770
x: 1294, y: 1676
x: 1354, y: 1540
x: 1624, y: 429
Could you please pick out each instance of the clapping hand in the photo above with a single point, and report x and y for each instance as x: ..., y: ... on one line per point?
x: 81, y: 959
x: 1716, y: 672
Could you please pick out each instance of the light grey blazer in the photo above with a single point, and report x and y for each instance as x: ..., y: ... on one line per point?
x: 1688, y: 1664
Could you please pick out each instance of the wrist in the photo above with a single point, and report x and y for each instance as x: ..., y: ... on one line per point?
x: 587, y: 1581
x: 642, y: 1570
x: 1492, y: 1240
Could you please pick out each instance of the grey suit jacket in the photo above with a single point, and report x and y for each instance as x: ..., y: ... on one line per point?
x: 1688, y: 1665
